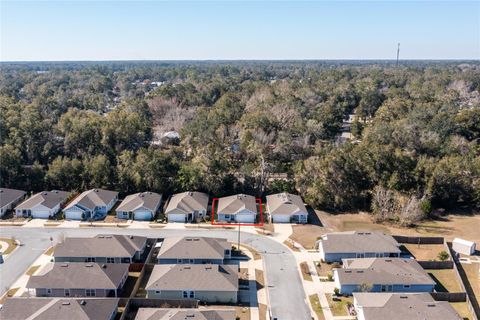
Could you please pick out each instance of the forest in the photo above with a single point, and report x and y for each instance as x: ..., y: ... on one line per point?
x: 398, y: 141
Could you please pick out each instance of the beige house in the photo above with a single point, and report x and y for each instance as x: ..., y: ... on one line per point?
x: 181, y: 314
x: 139, y: 206
x: 92, y: 204
x: 9, y: 198
x: 187, y: 207
x: 42, y: 205
x: 194, y: 250
x: 207, y: 283
x: 237, y: 208
x: 286, y: 208
x: 79, y: 280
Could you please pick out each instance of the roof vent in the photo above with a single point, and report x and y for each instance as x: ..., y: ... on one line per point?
x: 431, y: 305
x: 131, y: 237
x: 403, y: 297
x: 64, y: 265
x: 388, y: 260
x: 101, y: 237
x: 83, y: 302
x: 66, y: 303
x: 104, y: 266
x: 89, y: 265
x: 186, y: 268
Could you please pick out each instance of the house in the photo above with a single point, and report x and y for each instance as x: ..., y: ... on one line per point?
x: 179, y: 314
x: 285, y: 208
x: 382, y: 275
x: 237, y: 208
x: 401, y: 306
x: 9, y: 198
x: 42, y: 205
x: 463, y: 246
x: 59, y: 308
x: 187, y: 207
x: 92, y: 204
x: 194, y: 250
x: 139, y: 206
x: 333, y: 247
x: 101, y: 249
x: 207, y: 283
x: 77, y: 279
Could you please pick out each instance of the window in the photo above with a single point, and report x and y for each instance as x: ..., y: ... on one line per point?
x: 90, y: 292
x: 158, y: 292
x: 110, y: 260
x: 191, y: 261
x: 49, y: 291
x: 90, y: 259
x: 406, y: 286
x: 185, y: 294
x: 192, y: 294
x: 67, y: 292
x: 189, y: 294
x: 227, y: 216
x: 179, y: 260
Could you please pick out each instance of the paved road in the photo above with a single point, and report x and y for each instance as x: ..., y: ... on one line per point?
x: 287, y: 297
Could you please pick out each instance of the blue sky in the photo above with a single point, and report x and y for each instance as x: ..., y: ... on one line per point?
x: 122, y: 30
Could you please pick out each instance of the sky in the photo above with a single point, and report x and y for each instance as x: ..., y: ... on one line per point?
x: 231, y: 30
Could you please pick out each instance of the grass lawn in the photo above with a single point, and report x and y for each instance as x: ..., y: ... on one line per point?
x: 316, y: 306
x: 462, y: 309
x: 11, y: 245
x: 262, y: 310
x: 290, y: 245
x: 32, y: 270
x: 243, y: 313
x: 256, y: 255
x: 446, y: 280
x: 307, y: 234
x: 259, y: 277
x: 425, y: 251
x: 305, y: 271
x: 473, y: 272
x: 49, y: 251
x: 339, y: 308
x: 8, y: 294
x: 324, y: 269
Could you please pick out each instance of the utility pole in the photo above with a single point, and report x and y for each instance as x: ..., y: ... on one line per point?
x: 398, y: 52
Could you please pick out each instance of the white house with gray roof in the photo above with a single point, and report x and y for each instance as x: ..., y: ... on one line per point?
x: 92, y: 204
x: 205, y: 282
x: 286, y: 208
x: 139, y: 206
x: 382, y: 275
x: 9, y: 198
x: 187, y: 206
x: 182, y: 314
x: 237, y: 208
x: 401, y: 306
x: 42, y: 205
x: 335, y: 246
x: 194, y: 250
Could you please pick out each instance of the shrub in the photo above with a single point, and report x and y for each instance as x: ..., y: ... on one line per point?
x: 443, y: 255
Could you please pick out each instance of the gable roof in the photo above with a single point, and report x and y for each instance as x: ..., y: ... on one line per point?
x: 147, y: 200
x: 400, y: 306
x: 197, y: 277
x: 193, y: 248
x: 77, y: 275
x: 121, y: 246
x: 358, y: 241
x: 182, y: 314
x: 285, y: 203
x: 93, y: 198
x: 234, y: 204
x: 383, y: 271
x: 8, y: 196
x: 188, y: 202
x: 58, y: 308
x: 48, y: 199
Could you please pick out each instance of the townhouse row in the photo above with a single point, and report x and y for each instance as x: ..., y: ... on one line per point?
x: 182, y: 207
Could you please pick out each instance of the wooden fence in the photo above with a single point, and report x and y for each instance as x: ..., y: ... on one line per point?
x: 436, y: 264
x: 449, y: 296
x: 419, y: 240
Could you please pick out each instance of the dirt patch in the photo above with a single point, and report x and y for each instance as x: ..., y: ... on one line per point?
x: 8, y: 294
x: 260, y: 278
x: 305, y: 271
x: 262, y: 310
x: 290, y: 245
x: 325, y: 269
x: 32, y: 270
x: 446, y: 280
x: 425, y: 251
x: 255, y: 253
x: 462, y: 310
x: 307, y: 234
x: 50, y: 251
x: 339, y: 306
x: 11, y: 245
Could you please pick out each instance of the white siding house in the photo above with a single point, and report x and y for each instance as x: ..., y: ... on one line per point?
x: 139, y: 206
x: 286, y: 208
x: 239, y: 208
x: 92, y: 204
x: 187, y: 207
x: 42, y: 205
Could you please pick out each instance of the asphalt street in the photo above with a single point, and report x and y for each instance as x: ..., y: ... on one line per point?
x: 285, y: 290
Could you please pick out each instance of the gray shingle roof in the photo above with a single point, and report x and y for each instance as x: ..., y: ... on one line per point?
x: 121, y: 246
x: 193, y: 248
x: 8, y: 196
x: 188, y: 202
x: 78, y: 275
x: 197, y: 277
x: 49, y: 199
x: 93, y: 198
x: 401, y: 306
x: 358, y: 241
x: 58, y: 308
x: 384, y: 271
x: 147, y: 200
x: 285, y: 203
x: 182, y: 314
x: 236, y: 203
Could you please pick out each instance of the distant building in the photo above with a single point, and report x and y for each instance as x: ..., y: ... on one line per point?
x: 76, y: 279
x: 401, y: 306
x: 194, y: 250
x: 179, y: 314
x: 59, y: 308
x: 285, y: 208
x: 382, y: 275
x: 139, y: 206
x: 237, y: 208
x: 9, y: 198
x: 91, y: 204
x: 207, y: 283
x: 187, y: 206
x: 43, y: 205
x: 335, y: 246
x: 101, y: 249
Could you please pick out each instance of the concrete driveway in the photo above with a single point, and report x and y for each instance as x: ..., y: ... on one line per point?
x: 285, y: 290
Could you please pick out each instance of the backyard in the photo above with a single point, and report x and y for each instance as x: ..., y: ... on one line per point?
x: 339, y: 305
